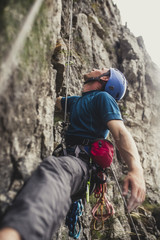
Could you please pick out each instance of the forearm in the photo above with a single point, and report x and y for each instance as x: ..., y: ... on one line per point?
x: 125, y: 144
x: 128, y: 150
x: 129, y: 153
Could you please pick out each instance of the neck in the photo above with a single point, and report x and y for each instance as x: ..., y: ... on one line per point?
x: 92, y: 86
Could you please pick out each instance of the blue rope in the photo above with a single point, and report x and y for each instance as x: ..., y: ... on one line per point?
x: 72, y: 219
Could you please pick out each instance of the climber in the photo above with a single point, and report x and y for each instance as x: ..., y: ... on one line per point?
x: 45, y: 199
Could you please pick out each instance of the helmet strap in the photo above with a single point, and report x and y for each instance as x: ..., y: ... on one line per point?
x: 103, y: 83
x: 91, y: 80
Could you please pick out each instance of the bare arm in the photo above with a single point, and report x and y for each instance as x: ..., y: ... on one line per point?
x: 129, y: 153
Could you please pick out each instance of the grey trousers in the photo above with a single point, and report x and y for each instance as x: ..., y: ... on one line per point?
x: 43, y: 202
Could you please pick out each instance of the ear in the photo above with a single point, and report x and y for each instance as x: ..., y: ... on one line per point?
x: 105, y: 78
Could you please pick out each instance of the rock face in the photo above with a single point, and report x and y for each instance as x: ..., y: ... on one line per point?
x: 28, y: 122
x: 27, y: 100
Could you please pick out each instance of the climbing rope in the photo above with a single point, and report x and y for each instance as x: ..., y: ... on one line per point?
x: 103, y: 208
x: 68, y: 59
x: 72, y: 219
x: 124, y: 201
x: 64, y: 123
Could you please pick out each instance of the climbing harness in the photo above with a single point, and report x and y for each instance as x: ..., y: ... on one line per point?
x: 124, y: 201
x: 103, y: 208
x: 72, y: 219
x: 102, y: 154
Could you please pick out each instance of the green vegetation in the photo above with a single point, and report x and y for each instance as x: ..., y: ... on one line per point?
x: 123, y: 110
x: 12, y: 16
x: 58, y: 116
x: 101, y: 234
x: 104, y: 233
x: 154, y: 208
x: 98, y: 235
x: 95, y: 6
x: 92, y: 200
x: 65, y: 235
x: 151, y: 206
x: 108, y: 47
x: 12, y: 19
x: 32, y: 46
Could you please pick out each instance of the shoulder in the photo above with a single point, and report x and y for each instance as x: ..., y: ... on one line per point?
x: 107, y: 107
x: 105, y: 102
x: 103, y: 96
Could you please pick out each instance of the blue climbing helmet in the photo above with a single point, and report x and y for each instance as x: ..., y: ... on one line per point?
x: 115, y: 86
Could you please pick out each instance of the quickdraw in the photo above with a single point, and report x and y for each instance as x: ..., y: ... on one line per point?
x: 72, y: 219
x: 99, y: 214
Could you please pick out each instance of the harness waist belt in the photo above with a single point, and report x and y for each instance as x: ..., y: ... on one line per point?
x: 77, y: 140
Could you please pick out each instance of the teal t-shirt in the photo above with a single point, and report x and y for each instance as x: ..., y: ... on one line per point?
x: 90, y: 113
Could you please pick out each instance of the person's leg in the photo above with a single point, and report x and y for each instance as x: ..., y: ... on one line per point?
x: 44, y: 201
x: 9, y: 234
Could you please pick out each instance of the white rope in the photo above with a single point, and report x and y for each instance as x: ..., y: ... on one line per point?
x: 12, y: 59
x: 124, y: 201
x: 68, y: 60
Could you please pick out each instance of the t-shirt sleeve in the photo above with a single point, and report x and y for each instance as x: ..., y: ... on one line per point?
x: 107, y: 108
x: 70, y: 101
